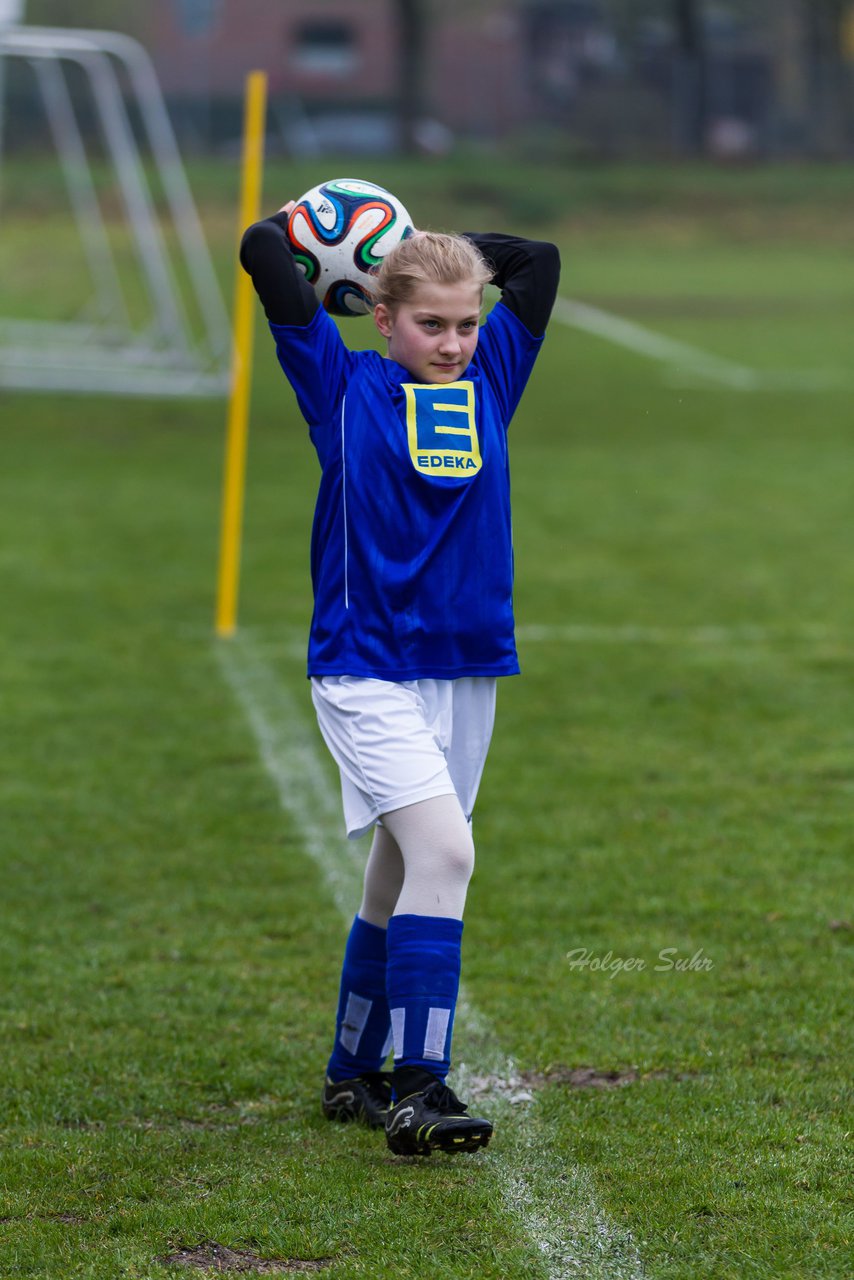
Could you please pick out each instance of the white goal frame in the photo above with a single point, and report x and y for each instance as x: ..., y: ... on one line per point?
x: 173, y: 355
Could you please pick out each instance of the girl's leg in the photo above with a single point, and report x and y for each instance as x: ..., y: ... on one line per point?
x: 383, y: 879
x: 424, y: 940
x: 390, y: 739
x: 425, y: 934
x: 437, y: 852
x: 363, y: 1025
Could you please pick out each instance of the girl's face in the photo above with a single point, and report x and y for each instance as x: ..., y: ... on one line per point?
x: 434, y: 335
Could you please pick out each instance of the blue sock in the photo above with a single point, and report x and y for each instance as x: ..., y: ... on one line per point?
x: 362, y: 1037
x: 423, y: 978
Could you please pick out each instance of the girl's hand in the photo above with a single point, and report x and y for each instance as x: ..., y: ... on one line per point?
x: 286, y: 208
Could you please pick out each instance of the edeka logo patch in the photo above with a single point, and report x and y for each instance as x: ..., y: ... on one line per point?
x: 440, y: 422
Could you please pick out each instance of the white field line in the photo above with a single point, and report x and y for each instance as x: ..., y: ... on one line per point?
x: 289, y: 644
x: 554, y: 1202
x: 685, y: 359
x: 707, y: 636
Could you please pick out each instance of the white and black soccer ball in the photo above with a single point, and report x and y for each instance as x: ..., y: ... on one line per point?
x: 339, y: 231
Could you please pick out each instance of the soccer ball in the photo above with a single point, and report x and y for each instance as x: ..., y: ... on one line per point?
x: 339, y: 231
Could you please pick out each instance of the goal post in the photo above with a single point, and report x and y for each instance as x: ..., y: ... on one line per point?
x: 179, y: 342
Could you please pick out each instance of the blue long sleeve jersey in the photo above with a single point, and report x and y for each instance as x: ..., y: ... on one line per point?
x: 411, y: 549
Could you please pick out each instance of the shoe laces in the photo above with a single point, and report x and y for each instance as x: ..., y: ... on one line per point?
x: 442, y: 1098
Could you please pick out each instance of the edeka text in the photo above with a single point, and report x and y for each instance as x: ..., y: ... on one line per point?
x: 464, y: 463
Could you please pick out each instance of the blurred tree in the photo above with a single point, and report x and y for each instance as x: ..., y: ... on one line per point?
x: 827, y: 74
x: 691, y: 73
x: 788, y: 40
x: 412, y: 28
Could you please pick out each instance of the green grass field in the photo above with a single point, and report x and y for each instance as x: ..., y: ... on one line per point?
x: 673, y: 773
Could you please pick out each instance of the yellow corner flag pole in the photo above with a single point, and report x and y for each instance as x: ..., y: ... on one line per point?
x: 241, y: 363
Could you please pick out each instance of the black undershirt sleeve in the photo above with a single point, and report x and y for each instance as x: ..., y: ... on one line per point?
x: 265, y: 253
x: 526, y: 272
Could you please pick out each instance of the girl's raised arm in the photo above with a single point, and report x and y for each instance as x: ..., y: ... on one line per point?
x: 265, y: 253
x: 313, y: 357
x: 526, y: 272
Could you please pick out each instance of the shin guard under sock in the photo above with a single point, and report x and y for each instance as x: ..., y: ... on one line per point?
x: 422, y: 982
x: 362, y: 1038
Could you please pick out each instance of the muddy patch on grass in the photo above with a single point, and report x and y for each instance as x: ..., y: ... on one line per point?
x: 73, y: 1219
x: 210, y: 1256
x: 521, y: 1087
x: 222, y: 1116
x: 582, y: 1078
x: 594, y: 1078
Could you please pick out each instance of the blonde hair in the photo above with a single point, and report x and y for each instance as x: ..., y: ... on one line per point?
x: 429, y: 257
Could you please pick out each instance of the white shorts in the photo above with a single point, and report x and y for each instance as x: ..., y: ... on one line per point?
x: 398, y: 743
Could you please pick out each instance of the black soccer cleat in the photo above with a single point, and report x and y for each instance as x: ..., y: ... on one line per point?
x: 434, y: 1119
x: 365, y: 1099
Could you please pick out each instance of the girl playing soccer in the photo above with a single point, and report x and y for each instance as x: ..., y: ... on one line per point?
x: 412, y: 567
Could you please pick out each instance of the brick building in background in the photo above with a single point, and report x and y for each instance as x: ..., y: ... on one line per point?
x: 330, y: 60
x: 491, y: 68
